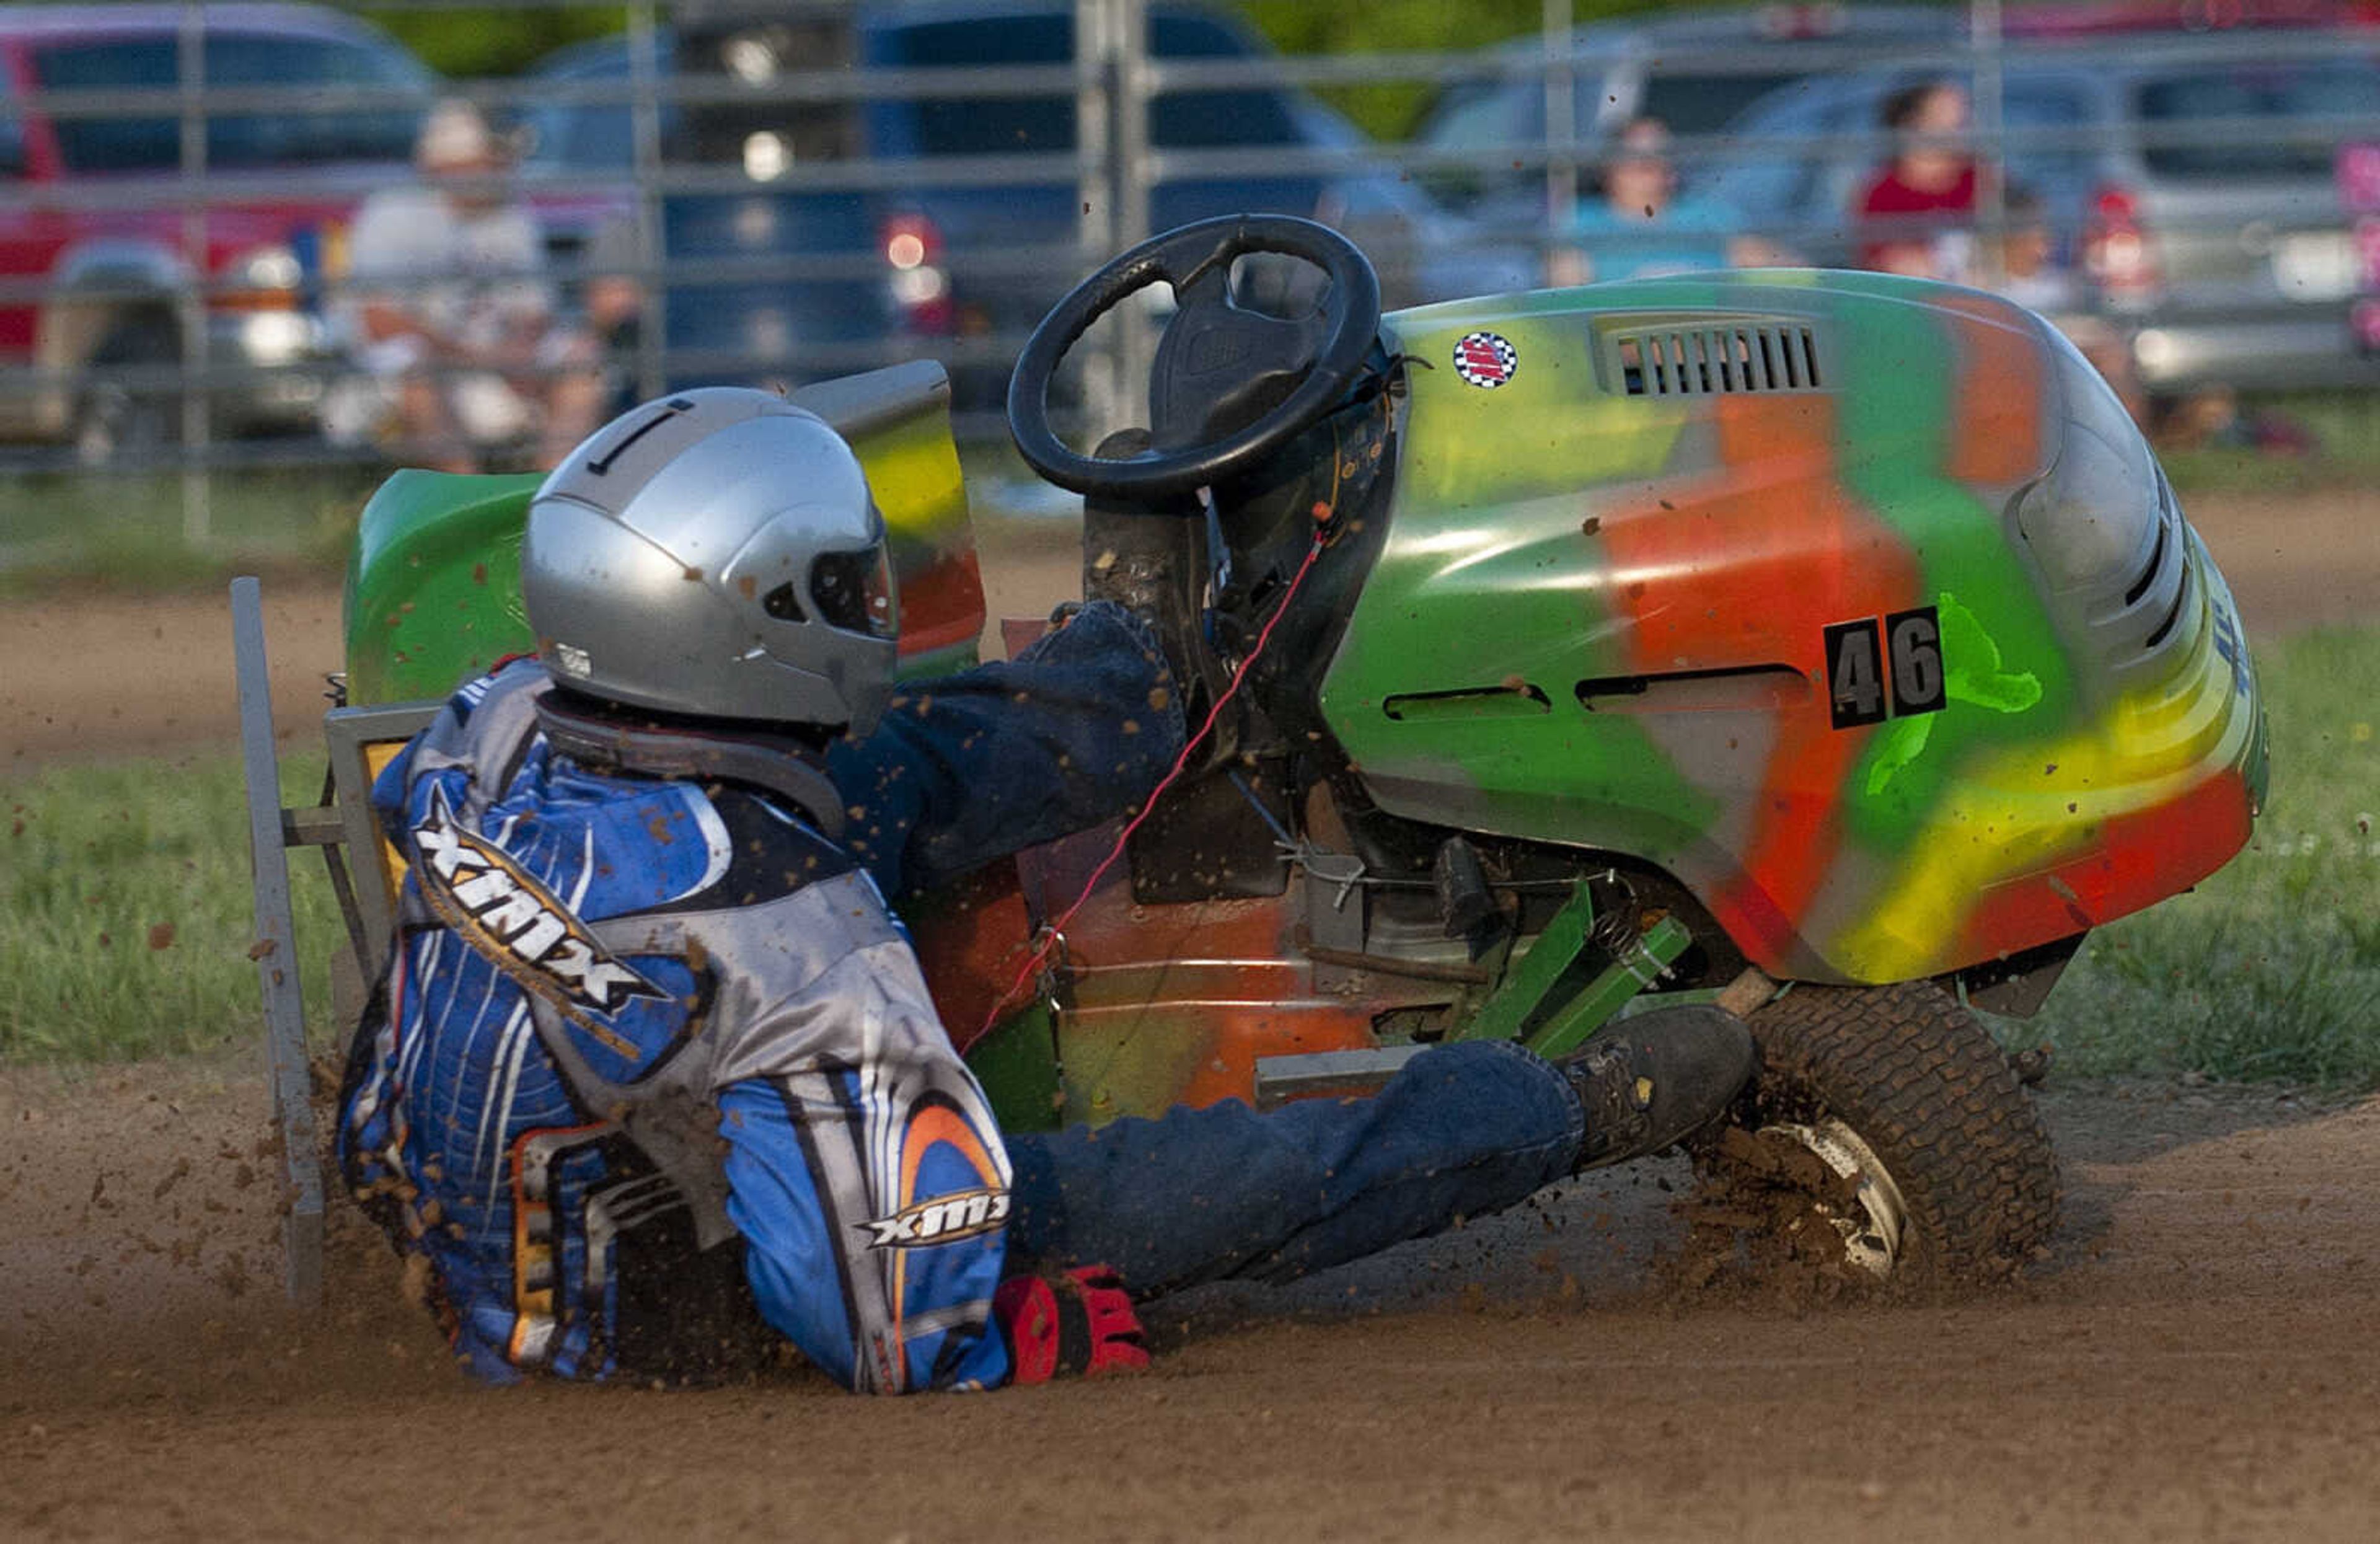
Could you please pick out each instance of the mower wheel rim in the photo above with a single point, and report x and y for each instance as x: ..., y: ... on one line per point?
x: 1871, y: 1237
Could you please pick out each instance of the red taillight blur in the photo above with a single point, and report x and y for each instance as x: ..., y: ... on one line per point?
x: 921, y: 285
x: 2119, y: 254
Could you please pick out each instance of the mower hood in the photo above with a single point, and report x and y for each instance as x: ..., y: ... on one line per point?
x: 1857, y: 603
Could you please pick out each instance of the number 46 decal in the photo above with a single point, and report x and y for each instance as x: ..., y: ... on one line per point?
x: 1858, y: 654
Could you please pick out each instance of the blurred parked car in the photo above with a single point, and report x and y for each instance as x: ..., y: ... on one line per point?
x: 2196, y: 199
x: 93, y: 239
x: 1428, y: 253
x: 577, y: 165
x: 963, y: 270
x: 1395, y: 222
x: 563, y: 137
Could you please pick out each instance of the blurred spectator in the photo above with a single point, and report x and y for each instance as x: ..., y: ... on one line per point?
x: 2030, y: 272
x: 1639, y: 227
x: 2211, y: 418
x: 2031, y: 275
x: 462, y: 351
x: 1920, y: 206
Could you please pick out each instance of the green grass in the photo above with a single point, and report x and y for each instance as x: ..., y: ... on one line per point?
x: 2270, y: 969
x: 128, y: 533
x: 96, y: 863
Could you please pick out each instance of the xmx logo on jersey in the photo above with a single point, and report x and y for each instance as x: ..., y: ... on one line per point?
x: 1485, y: 360
x: 1857, y: 658
x: 501, y: 910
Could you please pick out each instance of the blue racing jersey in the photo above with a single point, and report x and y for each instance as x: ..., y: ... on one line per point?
x: 653, y: 1072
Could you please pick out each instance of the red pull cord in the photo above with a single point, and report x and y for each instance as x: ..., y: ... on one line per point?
x: 1057, y: 930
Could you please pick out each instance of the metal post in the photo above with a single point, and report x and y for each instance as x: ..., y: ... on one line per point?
x: 1561, y: 141
x: 1991, y: 164
x: 276, y: 955
x: 1095, y: 184
x: 645, y: 127
x: 1111, y: 115
x: 1133, y: 189
x: 191, y: 72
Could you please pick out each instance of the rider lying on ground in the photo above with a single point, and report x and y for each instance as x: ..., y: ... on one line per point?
x: 653, y: 1078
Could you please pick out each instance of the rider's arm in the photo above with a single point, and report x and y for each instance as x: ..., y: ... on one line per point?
x: 1074, y: 731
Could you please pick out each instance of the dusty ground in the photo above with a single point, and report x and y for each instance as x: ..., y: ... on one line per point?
x: 2200, y: 1359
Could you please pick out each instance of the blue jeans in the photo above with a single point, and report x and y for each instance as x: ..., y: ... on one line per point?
x: 1202, y: 1195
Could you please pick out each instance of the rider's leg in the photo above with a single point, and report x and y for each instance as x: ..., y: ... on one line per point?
x: 1225, y: 1191
x: 1462, y: 1131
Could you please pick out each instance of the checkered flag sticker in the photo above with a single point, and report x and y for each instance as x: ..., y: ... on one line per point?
x: 1486, y: 360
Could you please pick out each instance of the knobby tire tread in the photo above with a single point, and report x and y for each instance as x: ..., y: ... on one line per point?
x: 1922, y: 1081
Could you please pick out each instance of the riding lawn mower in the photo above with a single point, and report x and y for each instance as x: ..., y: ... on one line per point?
x: 1828, y: 645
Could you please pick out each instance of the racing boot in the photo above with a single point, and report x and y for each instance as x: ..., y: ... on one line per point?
x: 1652, y: 1081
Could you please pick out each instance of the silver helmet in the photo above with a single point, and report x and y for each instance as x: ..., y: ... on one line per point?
x: 715, y: 552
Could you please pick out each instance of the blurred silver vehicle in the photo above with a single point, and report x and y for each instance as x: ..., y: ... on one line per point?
x: 2194, y: 197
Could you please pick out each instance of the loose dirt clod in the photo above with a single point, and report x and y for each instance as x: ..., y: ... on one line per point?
x: 1761, y: 1224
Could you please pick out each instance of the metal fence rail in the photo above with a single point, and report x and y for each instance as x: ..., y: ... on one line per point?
x: 1116, y: 173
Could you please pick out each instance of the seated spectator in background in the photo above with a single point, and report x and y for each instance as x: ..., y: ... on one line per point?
x: 1919, y: 209
x: 1639, y: 227
x: 453, y: 318
x: 2030, y: 272
x: 2029, y: 275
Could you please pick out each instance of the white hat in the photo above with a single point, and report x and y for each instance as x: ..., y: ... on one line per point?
x: 455, y: 134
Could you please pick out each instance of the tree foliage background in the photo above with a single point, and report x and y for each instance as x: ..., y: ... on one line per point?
x: 493, y: 41
x: 1387, y: 112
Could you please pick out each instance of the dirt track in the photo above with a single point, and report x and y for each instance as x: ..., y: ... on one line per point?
x: 2199, y: 1361
x: 2201, y: 1357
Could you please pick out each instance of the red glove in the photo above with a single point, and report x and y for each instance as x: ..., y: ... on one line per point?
x: 1080, y: 1322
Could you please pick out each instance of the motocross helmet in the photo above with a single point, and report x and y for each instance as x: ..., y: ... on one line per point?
x: 716, y: 555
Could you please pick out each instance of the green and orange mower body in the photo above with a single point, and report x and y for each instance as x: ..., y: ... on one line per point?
x: 1852, y: 610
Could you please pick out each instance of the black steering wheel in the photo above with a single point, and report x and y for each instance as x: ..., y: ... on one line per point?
x: 1210, y: 335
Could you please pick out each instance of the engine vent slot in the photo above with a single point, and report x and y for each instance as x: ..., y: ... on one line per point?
x: 2182, y: 596
x: 1714, y: 359
x: 1513, y: 699
x: 1731, y: 688
x: 2149, y: 574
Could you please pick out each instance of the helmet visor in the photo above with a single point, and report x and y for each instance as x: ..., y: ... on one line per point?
x: 854, y: 591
